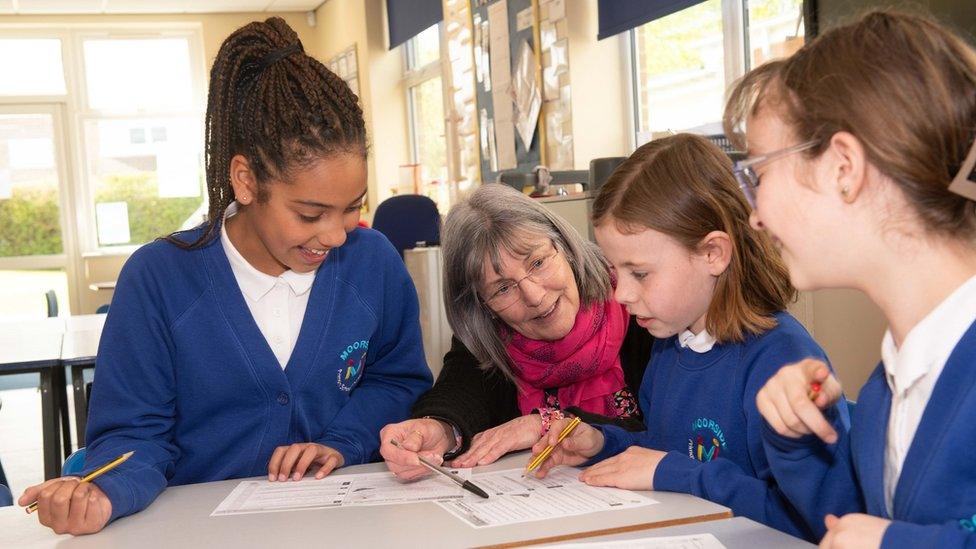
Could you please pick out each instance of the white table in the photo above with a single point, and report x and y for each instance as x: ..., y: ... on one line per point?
x: 734, y: 533
x: 180, y: 517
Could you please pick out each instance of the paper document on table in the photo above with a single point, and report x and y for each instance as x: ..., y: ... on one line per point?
x: 514, y: 499
x: 696, y: 541
x: 261, y: 496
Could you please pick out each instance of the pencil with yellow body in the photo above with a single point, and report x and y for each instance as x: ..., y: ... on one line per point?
x: 543, y: 455
x: 94, y: 474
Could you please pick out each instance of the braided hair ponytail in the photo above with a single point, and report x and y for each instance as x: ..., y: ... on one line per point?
x: 276, y: 106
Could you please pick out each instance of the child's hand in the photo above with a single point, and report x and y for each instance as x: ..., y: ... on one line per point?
x: 582, y: 444
x: 786, y: 405
x: 294, y: 460
x: 428, y: 437
x: 854, y: 530
x: 69, y: 506
x: 632, y: 469
x: 489, y: 445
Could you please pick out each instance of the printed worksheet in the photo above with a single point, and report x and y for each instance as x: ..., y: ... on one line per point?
x: 514, y: 499
x: 695, y: 541
x: 261, y: 496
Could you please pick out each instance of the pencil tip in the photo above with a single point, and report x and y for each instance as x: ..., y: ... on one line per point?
x: 128, y: 454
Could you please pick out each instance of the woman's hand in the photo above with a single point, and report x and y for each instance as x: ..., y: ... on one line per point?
x: 582, y: 444
x: 786, y: 405
x: 632, y: 469
x: 428, y: 437
x: 69, y: 506
x: 487, y: 446
x: 294, y: 460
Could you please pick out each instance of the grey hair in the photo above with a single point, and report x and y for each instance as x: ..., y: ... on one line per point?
x: 493, y: 218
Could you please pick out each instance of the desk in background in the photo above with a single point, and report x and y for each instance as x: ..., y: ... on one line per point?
x: 34, y: 346
x: 180, y: 517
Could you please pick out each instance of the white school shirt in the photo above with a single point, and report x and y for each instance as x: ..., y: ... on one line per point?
x: 277, y: 303
x: 701, y: 342
x: 912, y: 370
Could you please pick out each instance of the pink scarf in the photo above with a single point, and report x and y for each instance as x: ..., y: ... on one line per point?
x: 584, y: 366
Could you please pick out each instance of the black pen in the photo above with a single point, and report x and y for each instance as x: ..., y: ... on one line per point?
x: 466, y: 484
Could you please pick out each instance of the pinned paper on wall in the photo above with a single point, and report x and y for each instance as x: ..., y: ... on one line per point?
x: 528, y: 98
x: 501, y: 93
x: 112, y: 219
x: 523, y: 19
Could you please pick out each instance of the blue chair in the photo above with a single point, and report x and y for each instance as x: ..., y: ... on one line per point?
x: 407, y: 219
x: 101, y: 309
x: 75, y: 463
x: 6, y: 498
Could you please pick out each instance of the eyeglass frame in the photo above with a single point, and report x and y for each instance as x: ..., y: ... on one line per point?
x: 529, y: 274
x: 745, y: 173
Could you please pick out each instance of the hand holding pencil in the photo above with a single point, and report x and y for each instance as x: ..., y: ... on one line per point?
x: 69, y: 505
x: 569, y: 446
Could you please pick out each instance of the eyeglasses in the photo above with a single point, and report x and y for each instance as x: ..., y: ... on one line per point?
x: 745, y: 170
x: 509, y: 293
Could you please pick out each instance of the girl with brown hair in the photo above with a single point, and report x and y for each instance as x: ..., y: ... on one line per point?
x: 713, y: 291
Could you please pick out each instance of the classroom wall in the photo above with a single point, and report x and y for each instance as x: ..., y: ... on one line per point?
x: 342, y: 23
x: 600, y: 88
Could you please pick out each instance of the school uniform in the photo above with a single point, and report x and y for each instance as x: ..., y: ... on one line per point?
x: 699, y: 402
x: 906, y: 457
x: 187, y: 379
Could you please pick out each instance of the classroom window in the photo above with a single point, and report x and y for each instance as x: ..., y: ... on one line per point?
x: 683, y: 63
x: 426, y: 108
x: 37, y: 64
x: 143, y: 139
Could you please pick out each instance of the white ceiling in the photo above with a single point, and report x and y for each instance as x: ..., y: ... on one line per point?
x: 64, y: 7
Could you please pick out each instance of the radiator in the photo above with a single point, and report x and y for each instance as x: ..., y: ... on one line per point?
x: 426, y: 268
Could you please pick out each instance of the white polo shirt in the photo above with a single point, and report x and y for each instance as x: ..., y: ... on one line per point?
x: 912, y: 370
x: 277, y: 303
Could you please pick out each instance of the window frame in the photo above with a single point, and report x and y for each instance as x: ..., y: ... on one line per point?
x: 737, y: 59
x: 414, y: 76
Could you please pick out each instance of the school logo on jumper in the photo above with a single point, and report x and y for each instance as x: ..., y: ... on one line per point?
x: 353, y: 360
x: 968, y: 523
x: 707, y: 440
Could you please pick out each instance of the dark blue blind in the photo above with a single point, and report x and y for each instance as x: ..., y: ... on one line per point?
x: 408, y: 18
x: 617, y: 16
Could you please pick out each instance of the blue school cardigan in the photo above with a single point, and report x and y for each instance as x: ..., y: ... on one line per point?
x: 185, y: 378
x: 935, y: 499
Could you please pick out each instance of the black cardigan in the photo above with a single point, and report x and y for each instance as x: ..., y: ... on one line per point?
x: 475, y: 400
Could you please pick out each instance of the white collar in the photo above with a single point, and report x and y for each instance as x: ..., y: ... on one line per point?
x: 701, y: 342
x: 255, y: 284
x: 931, y: 341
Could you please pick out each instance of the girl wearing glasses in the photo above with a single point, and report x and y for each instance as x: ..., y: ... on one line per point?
x: 695, y: 275
x: 879, y: 200
x: 537, y: 335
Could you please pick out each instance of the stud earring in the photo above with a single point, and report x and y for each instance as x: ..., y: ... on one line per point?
x: 844, y: 191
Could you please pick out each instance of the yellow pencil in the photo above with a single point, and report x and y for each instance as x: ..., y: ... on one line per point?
x: 93, y: 475
x: 539, y: 459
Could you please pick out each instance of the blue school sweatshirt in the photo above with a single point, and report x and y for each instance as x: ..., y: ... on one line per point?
x: 935, y: 498
x: 700, y: 408
x: 185, y: 378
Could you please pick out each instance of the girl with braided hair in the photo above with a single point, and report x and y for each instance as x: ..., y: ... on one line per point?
x: 253, y: 344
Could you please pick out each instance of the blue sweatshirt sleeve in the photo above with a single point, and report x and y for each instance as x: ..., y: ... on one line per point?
x: 133, y: 397
x: 395, y: 375
x: 905, y: 535
x: 818, y: 478
x: 754, y: 494
x: 615, y: 440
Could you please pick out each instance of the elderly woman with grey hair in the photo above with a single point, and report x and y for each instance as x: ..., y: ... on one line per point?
x: 537, y: 336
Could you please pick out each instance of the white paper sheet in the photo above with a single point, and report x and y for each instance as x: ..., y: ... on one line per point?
x: 514, y: 499
x: 261, y: 496
x: 501, y: 80
x: 695, y: 541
